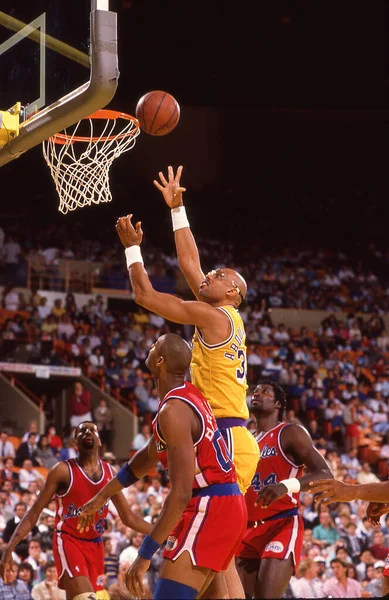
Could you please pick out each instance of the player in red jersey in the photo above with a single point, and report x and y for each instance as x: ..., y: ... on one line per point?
x: 272, y: 546
x: 204, y: 515
x: 78, y: 554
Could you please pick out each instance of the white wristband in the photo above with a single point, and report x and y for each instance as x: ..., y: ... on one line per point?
x: 293, y: 485
x: 179, y: 218
x: 133, y: 255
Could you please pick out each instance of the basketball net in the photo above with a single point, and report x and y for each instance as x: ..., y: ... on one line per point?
x: 80, y: 157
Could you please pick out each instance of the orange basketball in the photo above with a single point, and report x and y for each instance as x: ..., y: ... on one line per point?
x: 157, y: 112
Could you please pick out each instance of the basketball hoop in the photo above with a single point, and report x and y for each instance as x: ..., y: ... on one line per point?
x: 80, y: 157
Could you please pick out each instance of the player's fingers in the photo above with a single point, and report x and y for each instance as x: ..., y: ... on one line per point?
x: 158, y: 185
x: 138, y: 227
x: 162, y: 178
x: 181, y: 189
x: 170, y: 174
x: 178, y: 174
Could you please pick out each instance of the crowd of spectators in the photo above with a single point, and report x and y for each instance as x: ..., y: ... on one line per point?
x: 337, y: 384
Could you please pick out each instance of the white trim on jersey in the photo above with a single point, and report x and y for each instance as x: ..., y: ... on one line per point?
x: 193, y: 531
x: 88, y: 478
x: 201, y: 481
x: 187, y: 401
x: 220, y: 344
x: 230, y: 442
x: 71, y: 481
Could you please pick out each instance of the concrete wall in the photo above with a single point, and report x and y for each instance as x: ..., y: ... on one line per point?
x: 23, y: 409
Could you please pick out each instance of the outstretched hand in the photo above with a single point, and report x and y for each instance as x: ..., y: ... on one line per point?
x: 128, y: 234
x: 332, y: 490
x: 374, y: 512
x: 171, y: 189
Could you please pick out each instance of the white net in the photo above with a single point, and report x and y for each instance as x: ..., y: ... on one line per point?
x: 80, y: 157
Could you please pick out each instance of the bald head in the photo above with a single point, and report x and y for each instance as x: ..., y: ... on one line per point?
x: 176, y: 353
x: 238, y: 280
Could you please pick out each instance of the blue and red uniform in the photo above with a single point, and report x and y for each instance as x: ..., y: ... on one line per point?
x: 75, y: 553
x: 214, y: 521
x: 277, y: 531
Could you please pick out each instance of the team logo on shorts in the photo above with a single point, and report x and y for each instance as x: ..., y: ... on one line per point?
x: 276, y: 547
x: 100, y: 580
x: 171, y: 543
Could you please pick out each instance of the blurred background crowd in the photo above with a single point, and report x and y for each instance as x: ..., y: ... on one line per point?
x: 336, y: 378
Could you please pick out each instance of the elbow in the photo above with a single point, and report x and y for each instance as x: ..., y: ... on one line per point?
x: 140, y: 298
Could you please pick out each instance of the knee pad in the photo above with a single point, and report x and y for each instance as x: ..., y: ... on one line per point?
x: 86, y: 596
x: 167, y: 589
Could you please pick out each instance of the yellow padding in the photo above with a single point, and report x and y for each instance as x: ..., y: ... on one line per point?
x: 102, y: 595
x: 86, y: 596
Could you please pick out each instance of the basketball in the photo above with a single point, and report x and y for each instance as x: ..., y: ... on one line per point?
x: 157, y: 112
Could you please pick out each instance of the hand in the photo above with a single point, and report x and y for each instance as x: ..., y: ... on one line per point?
x: 126, y: 232
x: 171, y: 190
x: 88, y: 512
x: 134, y: 577
x: 6, y: 565
x: 85, y: 522
x: 375, y: 510
x: 270, y: 493
x: 331, y: 490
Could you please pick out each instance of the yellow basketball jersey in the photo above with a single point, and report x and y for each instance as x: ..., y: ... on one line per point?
x: 219, y: 370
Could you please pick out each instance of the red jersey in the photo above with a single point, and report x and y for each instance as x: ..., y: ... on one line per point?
x: 213, y: 462
x: 273, y: 467
x: 81, y: 489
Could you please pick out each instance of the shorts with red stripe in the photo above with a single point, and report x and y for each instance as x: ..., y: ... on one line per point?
x: 79, y: 558
x: 277, y: 538
x: 210, y: 529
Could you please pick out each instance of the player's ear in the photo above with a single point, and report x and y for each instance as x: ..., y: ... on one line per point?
x: 160, y: 361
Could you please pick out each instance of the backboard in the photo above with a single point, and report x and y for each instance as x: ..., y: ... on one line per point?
x: 59, y: 60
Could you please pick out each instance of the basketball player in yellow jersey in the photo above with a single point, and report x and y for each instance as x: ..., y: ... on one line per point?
x: 219, y: 353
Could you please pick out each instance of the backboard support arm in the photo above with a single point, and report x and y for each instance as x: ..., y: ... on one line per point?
x: 83, y: 101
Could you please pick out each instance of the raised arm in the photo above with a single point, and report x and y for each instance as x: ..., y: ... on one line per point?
x: 187, y: 252
x: 57, y: 475
x: 205, y: 316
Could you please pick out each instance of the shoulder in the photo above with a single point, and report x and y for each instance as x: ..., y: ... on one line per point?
x: 294, y: 432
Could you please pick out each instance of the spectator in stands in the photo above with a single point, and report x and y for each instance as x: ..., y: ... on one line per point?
x: 7, y: 449
x: 27, y: 451
x: 11, y: 299
x: 20, y: 511
x: 43, y: 308
x: 325, y: 534
x: 27, y: 474
x: 55, y: 441
x: 378, y: 548
x: 69, y: 449
x: 366, y: 475
x: 80, y: 405
x: 58, y: 310
x: 366, y: 559
x: 306, y: 584
x: 141, y: 438
x: 12, y: 587
x: 111, y: 562
x: 65, y: 329
x: 45, y: 454
x: 32, y: 428
x: 354, y: 544
x: 104, y: 421
x: 351, y: 462
x: 36, y: 558
x: 341, y: 586
x: 129, y: 554
x: 48, y: 588
x: 8, y: 474
x: 376, y: 584
x: 26, y: 574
